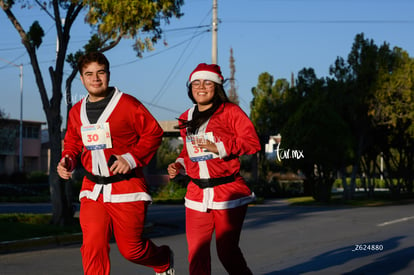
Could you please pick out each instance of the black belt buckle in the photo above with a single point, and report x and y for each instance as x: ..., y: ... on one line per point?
x: 212, y: 182
x: 101, y: 180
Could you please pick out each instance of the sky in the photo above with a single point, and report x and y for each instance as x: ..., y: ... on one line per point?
x: 280, y: 37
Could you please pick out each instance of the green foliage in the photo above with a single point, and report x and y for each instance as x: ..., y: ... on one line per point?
x: 172, y: 192
x: 124, y: 18
x: 366, y: 108
x: 35, y: 34
x: 167, y: 154
x: 37, y: 177
x: 378, y: 183
x: 267, y: 96
x: 393, y: 101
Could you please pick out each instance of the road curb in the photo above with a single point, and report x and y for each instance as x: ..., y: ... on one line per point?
x: 39, y: 243
x: 49, y: 241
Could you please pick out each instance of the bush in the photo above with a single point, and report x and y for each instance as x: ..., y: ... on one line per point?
x: 172, y: 192
x: 37, y: 177
x: 18, y: 178
x: 378, y: 183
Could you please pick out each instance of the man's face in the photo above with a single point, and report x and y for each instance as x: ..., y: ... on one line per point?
x: 95, y: 78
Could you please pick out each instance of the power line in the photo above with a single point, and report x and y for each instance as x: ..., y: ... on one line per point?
x: 163, y: 87
x: 187, y: 28
x: 161, y: 107
x: 13, y: 61
x: 159, y: 52
x: 311, y: 21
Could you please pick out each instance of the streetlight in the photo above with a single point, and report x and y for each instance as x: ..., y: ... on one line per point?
x: 21, y: 113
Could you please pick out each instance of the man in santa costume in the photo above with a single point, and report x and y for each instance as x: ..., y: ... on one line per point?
x: 216, y: 133
x: 115, y: 137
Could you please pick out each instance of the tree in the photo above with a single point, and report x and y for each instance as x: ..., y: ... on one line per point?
x: 364, y: 110
x: 375, y: 86
x: 355, y: 80
x: 8, y: 134
x: 267, y: 98
x: 363, y: 69
x: 111, y: 21
x: 233, y: 97
x: 392, y: 113
x: 316, y: 128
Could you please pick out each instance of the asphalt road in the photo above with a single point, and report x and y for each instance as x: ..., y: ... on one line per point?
x: 277, y: 239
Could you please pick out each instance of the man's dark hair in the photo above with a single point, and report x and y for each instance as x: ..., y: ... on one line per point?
x: 88, y: 58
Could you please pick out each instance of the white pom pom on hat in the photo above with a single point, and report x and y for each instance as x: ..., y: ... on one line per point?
x: 205, y: 71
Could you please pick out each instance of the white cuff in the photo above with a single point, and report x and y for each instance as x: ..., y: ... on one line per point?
x: 221, y: 150
x: 130, y: 159
x: 181, y: 161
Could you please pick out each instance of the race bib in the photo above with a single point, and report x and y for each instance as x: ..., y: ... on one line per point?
x: 196, y: 153
x: 96, y: 136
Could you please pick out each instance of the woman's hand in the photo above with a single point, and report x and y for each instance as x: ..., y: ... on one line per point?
x: 209, y: 146
x: 173, y: 169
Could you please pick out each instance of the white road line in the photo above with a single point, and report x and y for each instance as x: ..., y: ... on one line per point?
x: 396, y: 221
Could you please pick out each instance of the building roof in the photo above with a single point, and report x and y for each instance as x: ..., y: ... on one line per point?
x: 169, y: 125
x: 17, y: 121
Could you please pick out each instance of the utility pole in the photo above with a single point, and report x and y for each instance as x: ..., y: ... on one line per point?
x: 214, y: 34
x: 21, y: 113
x: 21, y: 121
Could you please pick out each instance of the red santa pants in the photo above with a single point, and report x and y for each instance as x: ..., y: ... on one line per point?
x: 125, y: 221
x: 227, y: 224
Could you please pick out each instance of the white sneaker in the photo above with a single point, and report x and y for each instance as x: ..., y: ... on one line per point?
x: 170, y: 270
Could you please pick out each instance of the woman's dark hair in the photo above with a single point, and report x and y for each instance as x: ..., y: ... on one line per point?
x: 92, y: 57
x: 199, y: 118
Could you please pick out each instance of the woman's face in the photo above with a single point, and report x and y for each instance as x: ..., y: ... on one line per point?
x: 203, y: 93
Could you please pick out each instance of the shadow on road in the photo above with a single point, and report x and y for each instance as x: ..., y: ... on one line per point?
x: 337, y: 257
x: 279, y: 210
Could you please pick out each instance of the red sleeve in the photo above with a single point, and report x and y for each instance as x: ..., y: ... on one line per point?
x: 183, y: 154
x: 73, y: 145
x: 244, y: 140
x: 150, y: 136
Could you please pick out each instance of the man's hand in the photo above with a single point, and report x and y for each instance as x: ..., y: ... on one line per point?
x: 120, y: 166
x: 65, y: 167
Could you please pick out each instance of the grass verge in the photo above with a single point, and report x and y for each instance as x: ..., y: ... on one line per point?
x: 26, y: 226
x: 337, y: 200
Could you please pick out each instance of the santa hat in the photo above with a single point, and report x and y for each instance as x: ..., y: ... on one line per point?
x: 205, y: 71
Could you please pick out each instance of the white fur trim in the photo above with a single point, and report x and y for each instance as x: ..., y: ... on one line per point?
x: 206, y: 75
x: 116, y: 198
x: 199, y: 206
x: 130, y: 159
x: 221, y: 150
x: 99, y: 163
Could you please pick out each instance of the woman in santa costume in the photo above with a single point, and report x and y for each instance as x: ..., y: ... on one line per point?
x: 116, y: 137
x: 216, y: 133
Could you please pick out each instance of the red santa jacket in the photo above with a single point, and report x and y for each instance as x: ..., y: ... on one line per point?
x: 133, y: 133
x: 234, y: 135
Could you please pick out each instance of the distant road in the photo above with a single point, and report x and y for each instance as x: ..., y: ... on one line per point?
x: 36, y: 208
x: 277, y: 239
